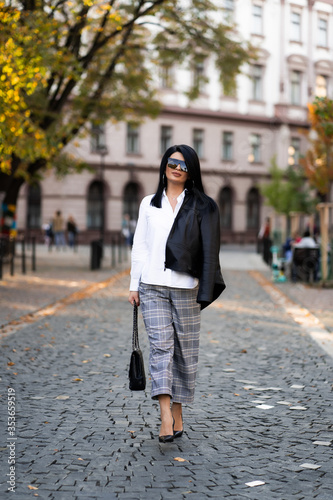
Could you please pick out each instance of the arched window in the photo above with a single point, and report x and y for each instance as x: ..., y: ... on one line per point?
x: 225, y: 202
x: 34, y: 207
x: 131, y: 200
x: 95, y: 214
x: 253, y: 209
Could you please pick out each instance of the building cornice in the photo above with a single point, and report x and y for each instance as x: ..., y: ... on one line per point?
x: 235, y: 117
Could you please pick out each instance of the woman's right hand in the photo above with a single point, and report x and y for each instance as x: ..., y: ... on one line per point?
x: 134, y: 296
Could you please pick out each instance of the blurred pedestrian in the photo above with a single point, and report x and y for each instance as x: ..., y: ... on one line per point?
x: 58, y: 225
x: 266, y: 242
x: 72, y: 232
x: 175, y: 273
x: 125, y: 229
x: 48, y: 235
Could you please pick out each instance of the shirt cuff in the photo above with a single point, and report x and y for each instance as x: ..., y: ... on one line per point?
x: 134, y: 284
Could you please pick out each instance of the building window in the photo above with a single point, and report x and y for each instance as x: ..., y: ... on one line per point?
x: 131, y: 201
x: 227, y: 146
x: 166, y: 77
x: 295, y: 27
x: 296, y: 78
x: 132, y: 139
x: 253, y: 209
x: 322, y: 32
x: 294, y: 151
x: 225, y: 205
x: 255, y: 143
x: 198, y: 142
x: 98, y: 138
x: 228, y: 10
x: 95, y: 213
x: 321, y: 86
x: 166, y: 138
x: 199, y: 79
x: 257, y: 77
x: 257, y: 19
x: 34, y: 207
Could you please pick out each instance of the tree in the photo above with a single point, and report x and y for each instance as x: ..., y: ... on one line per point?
x: 90, y: 61
x: 318, y: 161
x: 287, y: 192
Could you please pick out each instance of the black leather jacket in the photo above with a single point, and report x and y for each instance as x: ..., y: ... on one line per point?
x: 193, y: 245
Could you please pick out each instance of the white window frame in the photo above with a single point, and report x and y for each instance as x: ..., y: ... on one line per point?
x: 227, y: 145
x: 322, y: 34
x: 295, y: 27
x: 198, y: 141
x: 133, y: 139
x: 296, y: 88
x: 165, y: 138
x: 257, y: 19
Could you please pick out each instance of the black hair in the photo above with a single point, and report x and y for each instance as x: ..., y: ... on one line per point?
x: 193, y: 166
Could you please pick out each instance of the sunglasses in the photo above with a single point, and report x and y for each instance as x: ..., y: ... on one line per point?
x: 173, y: 163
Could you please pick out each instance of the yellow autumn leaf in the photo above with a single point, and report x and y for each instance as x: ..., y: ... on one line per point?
x: 32, y: 487
x: 179, y: 459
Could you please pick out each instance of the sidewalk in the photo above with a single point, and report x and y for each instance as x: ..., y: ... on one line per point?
x: 57, y: 275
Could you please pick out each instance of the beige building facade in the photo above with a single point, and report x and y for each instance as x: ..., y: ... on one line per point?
x: 236, y: 136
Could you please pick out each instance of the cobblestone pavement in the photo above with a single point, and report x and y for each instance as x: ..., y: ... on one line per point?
x: 262, y: 412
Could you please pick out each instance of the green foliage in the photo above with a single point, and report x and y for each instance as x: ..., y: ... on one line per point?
x: 318, y: 161
x: 287, y: 192
x: 74, y: 62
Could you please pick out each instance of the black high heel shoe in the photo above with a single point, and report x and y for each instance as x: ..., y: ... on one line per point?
x: 177, y: 434
x: 168, y: 438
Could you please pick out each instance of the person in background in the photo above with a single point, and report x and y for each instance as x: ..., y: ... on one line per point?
x: 58, y: 226
x: 72, y: 232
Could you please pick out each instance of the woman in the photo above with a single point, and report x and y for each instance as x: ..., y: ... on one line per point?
x: 175, y: 273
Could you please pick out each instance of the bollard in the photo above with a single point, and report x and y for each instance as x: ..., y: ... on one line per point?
x: 120, y: 259
x: 33, y: 256
x: 23, y: 257
x: 113, y: 253
x: 12, y: 257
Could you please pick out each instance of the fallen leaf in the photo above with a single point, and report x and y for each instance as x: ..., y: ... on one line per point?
x: 244, y: 351
x: 14, y: 350
x: 235, y: 394
x: 62, y: 397
x: 32, y: 487
x: 10, y: 363
x: 107, y: 355
x: 86, y: 361
x: 77, y: 379
x: 179, y: 459
x: 80, y: 458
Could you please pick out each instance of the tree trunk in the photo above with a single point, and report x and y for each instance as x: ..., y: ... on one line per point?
x: 13, y: 190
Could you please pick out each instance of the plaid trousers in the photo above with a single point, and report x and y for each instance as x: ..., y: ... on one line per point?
x: 172, y: 320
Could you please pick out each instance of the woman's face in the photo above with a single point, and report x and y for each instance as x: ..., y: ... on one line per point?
x: 176, y: 176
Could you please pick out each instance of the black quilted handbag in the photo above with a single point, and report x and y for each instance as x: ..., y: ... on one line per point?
x: 136, y: 372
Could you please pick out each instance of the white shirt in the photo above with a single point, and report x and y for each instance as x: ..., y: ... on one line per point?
x: 148, y: 252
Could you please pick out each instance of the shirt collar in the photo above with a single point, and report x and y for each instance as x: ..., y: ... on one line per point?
x: 180, y: 197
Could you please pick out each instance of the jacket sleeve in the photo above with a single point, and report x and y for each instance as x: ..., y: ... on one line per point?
x: 211, y: 283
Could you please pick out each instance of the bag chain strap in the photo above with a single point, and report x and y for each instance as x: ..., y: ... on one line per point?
x: 135, y: 338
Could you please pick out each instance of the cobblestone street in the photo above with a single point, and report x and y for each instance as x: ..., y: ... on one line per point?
x: 262, y: 412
